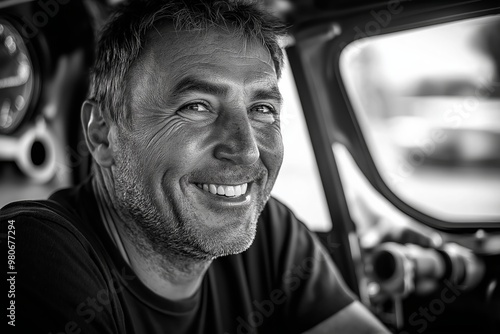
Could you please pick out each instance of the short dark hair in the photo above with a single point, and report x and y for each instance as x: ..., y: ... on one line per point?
x: 124, y: 36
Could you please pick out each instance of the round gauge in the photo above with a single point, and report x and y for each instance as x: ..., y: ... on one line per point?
x: 16, y: 78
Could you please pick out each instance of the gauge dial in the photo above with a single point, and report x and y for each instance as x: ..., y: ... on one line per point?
x: 16, y: 78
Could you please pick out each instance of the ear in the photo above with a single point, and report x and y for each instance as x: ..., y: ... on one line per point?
x: 96, y: 131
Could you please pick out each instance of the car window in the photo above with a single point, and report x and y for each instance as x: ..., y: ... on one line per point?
x: 428, y: 104
x: 299, y: 184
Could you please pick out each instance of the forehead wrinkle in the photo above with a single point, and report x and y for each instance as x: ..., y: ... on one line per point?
x: 214, y: 79
x: 222, y: 40
x: 182, y: 60
x: 205, y: 47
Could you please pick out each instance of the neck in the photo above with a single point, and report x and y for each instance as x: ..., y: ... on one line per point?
x: 171, y: 276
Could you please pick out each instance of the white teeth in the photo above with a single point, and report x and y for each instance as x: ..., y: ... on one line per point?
x: 237, y: 191
x: 222, y: 190
x: 229, y: 191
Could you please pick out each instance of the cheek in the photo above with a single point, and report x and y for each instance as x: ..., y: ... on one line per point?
x: 174, y: 148
x: 271, y: 148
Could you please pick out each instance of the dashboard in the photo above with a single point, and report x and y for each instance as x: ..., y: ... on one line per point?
x: 45, y: 53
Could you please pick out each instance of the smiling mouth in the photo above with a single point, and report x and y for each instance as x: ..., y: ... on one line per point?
x: 231, y: 191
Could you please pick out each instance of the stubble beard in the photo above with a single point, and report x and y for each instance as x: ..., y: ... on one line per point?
x: 176, y: 231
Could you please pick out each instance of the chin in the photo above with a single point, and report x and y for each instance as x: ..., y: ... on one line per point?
x: 232, y: 244
x: 232, y: 237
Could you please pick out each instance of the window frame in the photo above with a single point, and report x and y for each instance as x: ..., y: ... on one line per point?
x: 330, y: 115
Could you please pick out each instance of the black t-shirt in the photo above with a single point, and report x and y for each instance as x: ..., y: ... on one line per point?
x: 70, y: 278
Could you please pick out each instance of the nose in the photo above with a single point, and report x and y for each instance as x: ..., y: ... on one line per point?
x: 237, y: 142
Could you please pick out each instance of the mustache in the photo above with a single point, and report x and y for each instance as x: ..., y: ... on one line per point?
x: 229, y: 174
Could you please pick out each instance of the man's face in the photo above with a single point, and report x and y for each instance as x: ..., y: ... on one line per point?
x: 205, y: 146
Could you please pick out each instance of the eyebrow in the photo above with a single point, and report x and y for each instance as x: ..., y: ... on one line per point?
x: 190, y: 83
x: 271, y: 93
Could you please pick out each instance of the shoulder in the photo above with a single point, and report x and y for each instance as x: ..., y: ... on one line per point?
x: 307, y: 276
x: 279, y: 227
x: 44, y: 229
x: 63, y: 214
x: 45, y: 213
x: 282, y: 241
x: 37, y: 218
x: 279, y: 219
x: 52, y: 239
x: 276, y: 209
x: 58, y: 265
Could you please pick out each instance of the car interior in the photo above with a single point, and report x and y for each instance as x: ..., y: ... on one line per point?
x: 391, y: 127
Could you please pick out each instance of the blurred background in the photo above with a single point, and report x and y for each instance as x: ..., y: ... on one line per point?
x: 46, y: 49
x: 428, y: 103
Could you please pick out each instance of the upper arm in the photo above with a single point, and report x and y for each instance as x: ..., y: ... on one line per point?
x: 354, y: 318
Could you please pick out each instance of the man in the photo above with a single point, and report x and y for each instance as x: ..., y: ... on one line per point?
x: 172, y: 233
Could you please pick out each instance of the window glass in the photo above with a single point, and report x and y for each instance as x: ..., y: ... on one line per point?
x: 428, y: 103
x: 299, y: 185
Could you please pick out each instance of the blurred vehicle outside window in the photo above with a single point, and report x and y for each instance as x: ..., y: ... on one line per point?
x: 428, y: 104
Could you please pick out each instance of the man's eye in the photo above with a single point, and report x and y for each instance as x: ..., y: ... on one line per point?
x: 197, y: 111
x: 263, y: 109
x: 263, y: 114
x: 198, y: 107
